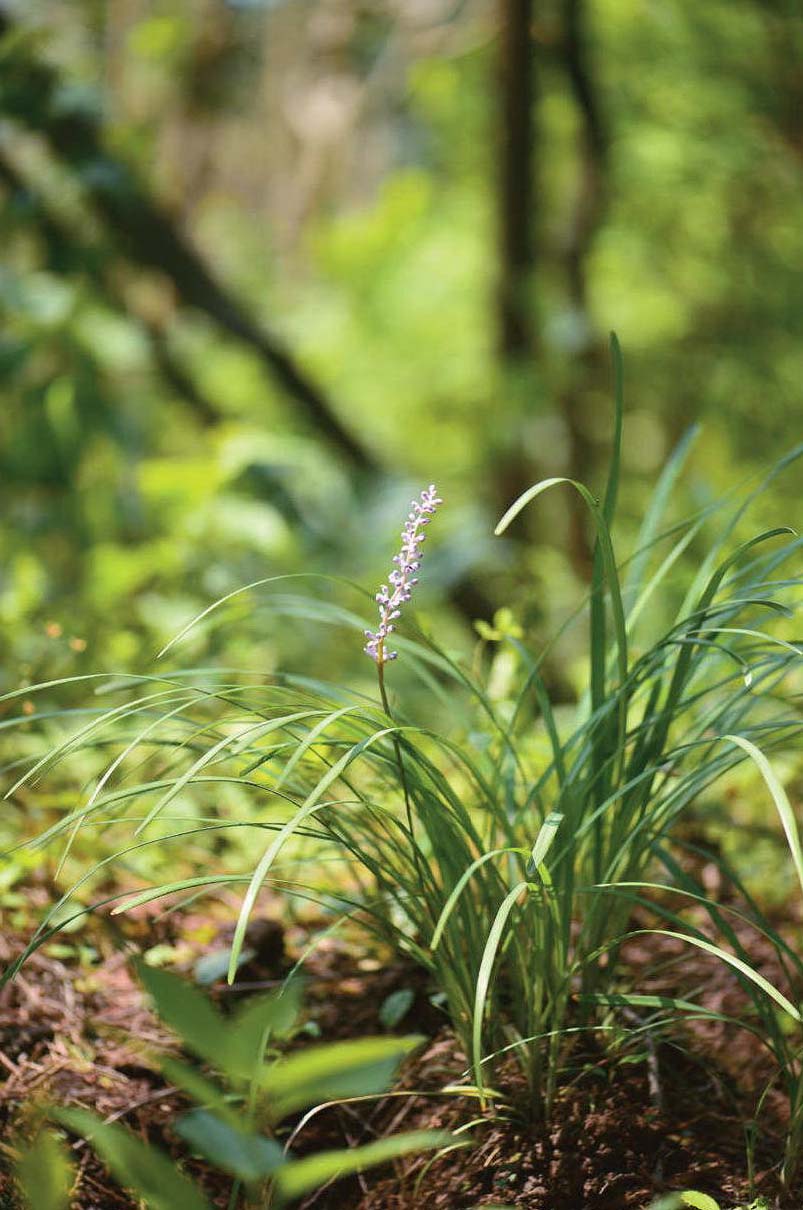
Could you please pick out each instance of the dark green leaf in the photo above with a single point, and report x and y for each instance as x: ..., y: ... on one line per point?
x: 186, y: 1010
x: 260, y: 1018
x: 195, y: 1085
x: 247, y: 1156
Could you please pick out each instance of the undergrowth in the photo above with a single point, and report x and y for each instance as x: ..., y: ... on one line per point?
x: 501, y: 843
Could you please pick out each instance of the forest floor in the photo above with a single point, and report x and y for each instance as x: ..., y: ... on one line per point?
x: 673, y: 1114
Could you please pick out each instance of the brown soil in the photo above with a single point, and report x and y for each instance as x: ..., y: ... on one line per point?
x: 671, y: 1115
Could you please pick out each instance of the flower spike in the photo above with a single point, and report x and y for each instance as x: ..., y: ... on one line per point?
x: 402, y: 579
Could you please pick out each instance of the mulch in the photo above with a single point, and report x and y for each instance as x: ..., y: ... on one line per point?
x: 670, y: 1115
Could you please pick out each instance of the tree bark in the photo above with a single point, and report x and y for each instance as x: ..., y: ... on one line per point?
x: 516, y: 330
x: 516, y: 238
x: 589, y: 209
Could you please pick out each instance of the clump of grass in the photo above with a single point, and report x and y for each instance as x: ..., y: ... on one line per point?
x: 502, y: 849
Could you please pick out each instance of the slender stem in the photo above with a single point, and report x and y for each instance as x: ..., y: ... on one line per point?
x: 380, y: 671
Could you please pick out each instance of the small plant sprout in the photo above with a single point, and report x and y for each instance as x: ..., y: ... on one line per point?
x: 236, y: 1122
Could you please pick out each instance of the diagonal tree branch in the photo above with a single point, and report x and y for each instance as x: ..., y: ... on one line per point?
x: 66, y: 253
x: 33, y: 94
x: 144, y: 233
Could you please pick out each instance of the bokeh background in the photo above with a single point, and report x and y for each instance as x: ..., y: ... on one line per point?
x: 268, y: 266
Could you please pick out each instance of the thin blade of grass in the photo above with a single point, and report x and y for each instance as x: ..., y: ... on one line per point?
x: 779, y: 797
x: 308, y: 807
x: 754, y: 976
x: 484, y: 976
x: 458, y: 889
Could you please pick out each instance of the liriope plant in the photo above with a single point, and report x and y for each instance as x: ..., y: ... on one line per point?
x: 500, y: 849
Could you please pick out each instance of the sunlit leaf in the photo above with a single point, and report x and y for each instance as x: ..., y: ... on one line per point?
x: 340, y: 1069
x: 301, y: 1176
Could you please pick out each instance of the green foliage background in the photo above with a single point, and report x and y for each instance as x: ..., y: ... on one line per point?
x: 253, y: 295
x: 336, y: 164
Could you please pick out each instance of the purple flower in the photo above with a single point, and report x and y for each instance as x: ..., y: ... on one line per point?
x: 402, y: 579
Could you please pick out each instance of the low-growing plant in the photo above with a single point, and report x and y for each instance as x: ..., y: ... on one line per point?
x: 692, y: 1199
x: 688, y: 1199
x: 502, y: 845
x: 236, y: 1123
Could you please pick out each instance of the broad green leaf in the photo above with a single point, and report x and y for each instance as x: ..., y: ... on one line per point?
x: 247, y: 1156
x: 360, y: 1067
x: 144, y: 1169
x: 260, y: 1018
x: 234, y: 1046
x: 302, y: 1176
x: 45, y: 1173
x: 185, y: 1010
x: 195, y: 1085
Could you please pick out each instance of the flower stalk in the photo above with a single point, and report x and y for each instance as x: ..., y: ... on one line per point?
x: 390, y: 598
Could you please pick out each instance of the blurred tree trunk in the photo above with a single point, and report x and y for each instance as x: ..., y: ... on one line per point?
x: 589, y: 352
x: 593, y: 150
x: 516, y: 186
x: 516, y: 336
